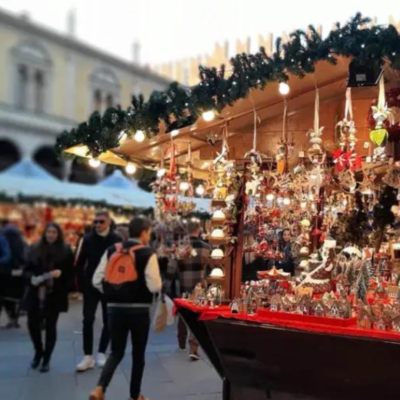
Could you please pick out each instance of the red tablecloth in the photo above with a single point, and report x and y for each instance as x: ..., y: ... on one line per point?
x: 309, y: 324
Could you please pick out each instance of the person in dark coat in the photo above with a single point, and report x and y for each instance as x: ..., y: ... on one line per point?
x: 93, y: 247
x: 11, y: 275
x: 285, y: 248
x: 49, y: 274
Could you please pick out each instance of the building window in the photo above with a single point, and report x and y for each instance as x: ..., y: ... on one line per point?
x: 39, y: 91
x: 31, y: 67
x: 97, y: 106
x: 22, y: 86
x: 109, y: 101
x: 105, y: 87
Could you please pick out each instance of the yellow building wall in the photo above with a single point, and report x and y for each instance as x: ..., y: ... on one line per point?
x: 8, y: 40
x: 60, y: 79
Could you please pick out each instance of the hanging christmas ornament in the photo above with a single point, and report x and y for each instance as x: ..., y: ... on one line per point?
x: 283, y: 146
x: 380, y: 113
x: 222, y: 157
x: 347, y: 126
x: 315, y: 134
x: 255, y: 156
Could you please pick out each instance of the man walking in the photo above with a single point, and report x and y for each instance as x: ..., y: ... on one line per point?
x: 190, y: 272
x: 129, y: 275
x: 93, y: 247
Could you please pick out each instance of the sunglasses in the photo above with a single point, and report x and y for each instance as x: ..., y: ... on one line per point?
x: 99, y: 222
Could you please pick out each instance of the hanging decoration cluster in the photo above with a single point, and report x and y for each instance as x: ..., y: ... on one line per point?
x: 178, y: 107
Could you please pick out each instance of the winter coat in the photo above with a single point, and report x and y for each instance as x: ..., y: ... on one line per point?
x: 55, y: 290
x: 5, y: 254
x: 18, y: 247
x: 92, y: 249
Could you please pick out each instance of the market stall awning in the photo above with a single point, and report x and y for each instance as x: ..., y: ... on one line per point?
x: 127, y: 190
x: 27, y: 168
x: 29, y: 180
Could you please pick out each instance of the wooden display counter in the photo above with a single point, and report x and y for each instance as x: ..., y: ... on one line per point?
x: 251, y: 355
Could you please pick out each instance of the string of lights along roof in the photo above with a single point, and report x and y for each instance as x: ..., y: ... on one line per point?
x: 178, y: 107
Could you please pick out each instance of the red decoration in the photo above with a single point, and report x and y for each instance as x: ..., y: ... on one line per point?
x: 346, y: 160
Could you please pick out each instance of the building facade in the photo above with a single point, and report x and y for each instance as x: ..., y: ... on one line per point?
x: 50, y: 82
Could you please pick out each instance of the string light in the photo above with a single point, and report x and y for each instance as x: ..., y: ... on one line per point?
x: 208, y: 115
x: 94, y: 163
x: 200, y: 190
x: 130, y: 168
x: 175, y: 132
x: 284, y: 88
x: 270, y: 197
x: 161, y: 172
x: 184, y: 186
x: 139, y: 136
x: 286, y: 201
x: 303, y: 205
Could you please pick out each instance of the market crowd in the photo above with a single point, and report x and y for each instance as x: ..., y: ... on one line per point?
x: 113, y: 267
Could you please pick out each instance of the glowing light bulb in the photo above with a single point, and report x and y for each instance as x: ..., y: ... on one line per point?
x: 200, y: 190
x: 139, y: 136
x: 175, y: 132
x: 130, y: 168
x: 184, y: 186
x: 161, y: 172
x: 284, y: 88
x: 270, y: 197
x: 303, y: 205
x: 208, y: 115
x: 286, y: 201
x: 94, y: 163
x: 311, y: 197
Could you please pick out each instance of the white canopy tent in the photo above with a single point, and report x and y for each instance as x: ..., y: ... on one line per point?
x: 127, y: 189
x: 26, y: 178
x: 29, y: 179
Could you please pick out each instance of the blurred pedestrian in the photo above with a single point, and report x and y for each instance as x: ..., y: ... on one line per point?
x: 122, y: 231
x: 129, y: 302
x: 49, y: 275
x: 93, y: 247
x: 5, y: 256
x: 189, y: 272
x: 12, y: 280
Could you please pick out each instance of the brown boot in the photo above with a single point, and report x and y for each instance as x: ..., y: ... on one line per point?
x: 97, y: 394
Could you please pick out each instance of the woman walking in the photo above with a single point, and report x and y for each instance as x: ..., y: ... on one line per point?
x: 49, y: 273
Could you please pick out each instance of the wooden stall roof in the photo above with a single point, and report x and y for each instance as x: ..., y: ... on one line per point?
x: 268, y: 103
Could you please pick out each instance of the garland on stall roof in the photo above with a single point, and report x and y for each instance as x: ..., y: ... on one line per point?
x: 178, y: 106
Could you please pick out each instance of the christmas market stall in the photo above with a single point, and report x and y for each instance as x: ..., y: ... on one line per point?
x: 31, y: 197
x: 299, y: 152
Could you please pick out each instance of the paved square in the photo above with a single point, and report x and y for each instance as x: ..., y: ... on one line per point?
x: 169, y: 374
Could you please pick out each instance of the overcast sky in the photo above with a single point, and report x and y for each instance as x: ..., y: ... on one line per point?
x: 173, y: 29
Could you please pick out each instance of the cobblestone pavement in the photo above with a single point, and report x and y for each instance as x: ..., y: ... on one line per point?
x: 169, y: 374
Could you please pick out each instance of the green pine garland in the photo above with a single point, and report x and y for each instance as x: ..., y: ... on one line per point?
x: 178, y: 107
